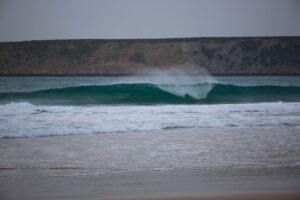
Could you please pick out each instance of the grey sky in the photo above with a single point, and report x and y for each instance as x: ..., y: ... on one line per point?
x: 68, y: 19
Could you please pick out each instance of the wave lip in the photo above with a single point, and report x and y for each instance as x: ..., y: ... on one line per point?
x: 146, y: 93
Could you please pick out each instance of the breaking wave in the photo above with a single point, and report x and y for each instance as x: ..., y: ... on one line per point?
x: 147, y: 93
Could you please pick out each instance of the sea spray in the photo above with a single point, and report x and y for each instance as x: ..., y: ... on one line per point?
x: 193, y: 81
x: 196, y: 92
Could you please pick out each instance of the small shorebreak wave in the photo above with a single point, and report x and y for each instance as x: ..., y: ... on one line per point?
x: 146, y: 93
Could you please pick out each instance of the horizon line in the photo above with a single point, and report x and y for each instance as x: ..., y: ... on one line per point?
x: 153, y: 39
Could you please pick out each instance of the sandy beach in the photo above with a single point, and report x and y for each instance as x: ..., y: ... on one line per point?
x: 199, y: 184
x: 180, y: 163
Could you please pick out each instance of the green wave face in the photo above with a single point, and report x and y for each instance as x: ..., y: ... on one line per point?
x: 156, y: 94
x: 249, y: 94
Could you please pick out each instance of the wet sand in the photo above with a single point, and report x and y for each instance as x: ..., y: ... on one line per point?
x: 174, y: 164
x: 206, y: 183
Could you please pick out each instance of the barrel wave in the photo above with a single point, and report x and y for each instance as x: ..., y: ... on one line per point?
x: 145, y: 93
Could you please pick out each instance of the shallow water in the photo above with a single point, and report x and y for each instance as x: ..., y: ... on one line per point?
x: 229, y: 149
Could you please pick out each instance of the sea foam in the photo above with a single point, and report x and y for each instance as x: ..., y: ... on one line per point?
x: 27, y: 120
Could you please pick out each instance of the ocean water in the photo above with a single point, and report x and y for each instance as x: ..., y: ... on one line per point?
x: 48, y: 106
x: 115, y: 125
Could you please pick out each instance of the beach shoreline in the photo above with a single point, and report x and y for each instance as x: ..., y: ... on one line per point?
x: 213, y: 163
x: 189, y: 184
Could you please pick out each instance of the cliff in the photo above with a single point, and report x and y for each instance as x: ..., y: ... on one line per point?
x: 220, y: 56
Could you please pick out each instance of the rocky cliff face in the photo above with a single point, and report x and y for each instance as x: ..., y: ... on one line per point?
x: 220, y: 56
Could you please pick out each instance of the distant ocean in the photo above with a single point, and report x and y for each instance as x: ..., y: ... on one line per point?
x: 47, y: 106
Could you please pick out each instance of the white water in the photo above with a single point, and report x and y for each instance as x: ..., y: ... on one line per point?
x: 27, y: 120
x: 194, y: 91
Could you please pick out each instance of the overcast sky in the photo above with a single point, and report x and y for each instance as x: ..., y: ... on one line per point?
x: 70, y: 19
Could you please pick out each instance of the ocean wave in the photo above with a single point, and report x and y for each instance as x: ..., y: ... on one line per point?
x: 146, y: 93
